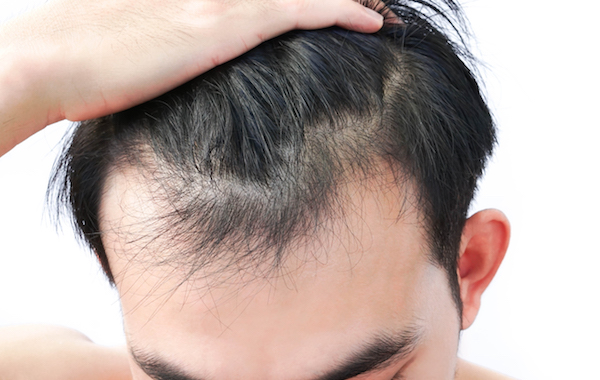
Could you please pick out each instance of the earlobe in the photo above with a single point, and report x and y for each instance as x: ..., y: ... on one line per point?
x: 483, y: 245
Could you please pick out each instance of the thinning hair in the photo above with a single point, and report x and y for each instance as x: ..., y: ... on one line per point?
x: 250, y: 156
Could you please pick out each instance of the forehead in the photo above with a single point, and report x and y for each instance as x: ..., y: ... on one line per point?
x: 373, y: 272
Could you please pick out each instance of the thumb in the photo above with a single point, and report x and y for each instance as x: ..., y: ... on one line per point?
x: 347, y: 14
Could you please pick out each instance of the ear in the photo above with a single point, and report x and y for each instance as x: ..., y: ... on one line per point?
x: 483, y: 245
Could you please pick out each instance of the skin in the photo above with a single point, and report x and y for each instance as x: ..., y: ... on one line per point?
x: 367, y: 275
x: 31, y: 352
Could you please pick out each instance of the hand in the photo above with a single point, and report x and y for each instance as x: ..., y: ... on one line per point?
x: 80, y: 59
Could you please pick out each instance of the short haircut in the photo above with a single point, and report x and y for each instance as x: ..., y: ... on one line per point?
x: 250, y: 156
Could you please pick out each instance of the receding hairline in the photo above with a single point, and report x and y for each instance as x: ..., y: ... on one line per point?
x: 132, y: 192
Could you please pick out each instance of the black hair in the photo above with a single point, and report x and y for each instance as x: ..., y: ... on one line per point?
x: 250, y: 155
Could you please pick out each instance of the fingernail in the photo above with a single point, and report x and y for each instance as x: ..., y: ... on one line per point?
x: 374, y: 15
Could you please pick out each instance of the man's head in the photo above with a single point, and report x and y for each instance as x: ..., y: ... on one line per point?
x: 298, y: 210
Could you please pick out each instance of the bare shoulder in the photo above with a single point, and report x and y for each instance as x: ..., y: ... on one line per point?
x: 470, y: 371
x: 57, y: 353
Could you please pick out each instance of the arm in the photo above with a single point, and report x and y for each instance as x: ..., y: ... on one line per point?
x: 80, y: 59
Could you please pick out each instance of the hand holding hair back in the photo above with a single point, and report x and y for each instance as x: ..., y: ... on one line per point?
x: 80, y: 59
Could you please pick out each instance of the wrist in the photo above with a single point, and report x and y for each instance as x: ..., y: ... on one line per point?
x: 26, y: 104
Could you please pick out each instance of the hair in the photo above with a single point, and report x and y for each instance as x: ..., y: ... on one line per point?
x: 251, y: 156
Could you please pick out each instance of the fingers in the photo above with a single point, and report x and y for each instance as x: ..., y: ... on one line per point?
x: 360, y: 18
x: 377, y: 13
x: 348, y: 14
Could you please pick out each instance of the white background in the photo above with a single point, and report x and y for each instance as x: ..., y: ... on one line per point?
x: 540, y: 318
